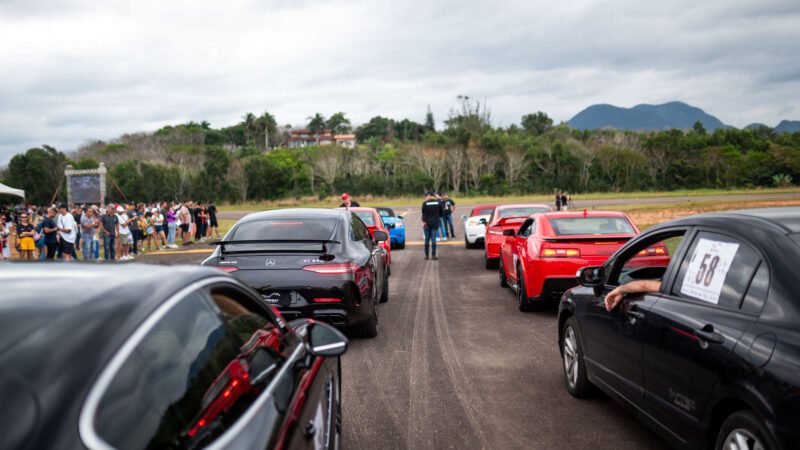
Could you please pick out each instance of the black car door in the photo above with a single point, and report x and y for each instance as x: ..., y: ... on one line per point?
x: 616, y: 353
x: 375, y: 263
x: 693, y: 327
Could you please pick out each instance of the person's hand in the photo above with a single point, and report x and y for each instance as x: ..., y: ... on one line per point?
x: 613, y: 298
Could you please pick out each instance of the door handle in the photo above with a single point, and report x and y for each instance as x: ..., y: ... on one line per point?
x: 709, y: 336
x: 634, y: 316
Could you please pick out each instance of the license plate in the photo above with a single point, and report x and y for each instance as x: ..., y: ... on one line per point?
x: 277, y: 298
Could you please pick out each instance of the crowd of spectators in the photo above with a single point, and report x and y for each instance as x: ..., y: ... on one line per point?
x: 117, y: 231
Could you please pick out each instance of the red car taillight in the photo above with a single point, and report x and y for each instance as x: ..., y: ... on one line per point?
x: 561, y: 253
x: 332, y: 269
x: 653, y: 251
x: 495, y: 230
x: 227, y: 268
x: 327, y: 300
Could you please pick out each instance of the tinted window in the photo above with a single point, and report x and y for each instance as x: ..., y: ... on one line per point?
x: 649, y: 259
x: 482, y: 211
x: 284, y: 229
x: 174, y: 387
x: 525, y: 229
x: 519, y: 212
x: 367, y: 217
x: 757, y: 292
x: 716, y: 270
x: 592, y: 225
x: 359, y: 230
x: 386, y: 213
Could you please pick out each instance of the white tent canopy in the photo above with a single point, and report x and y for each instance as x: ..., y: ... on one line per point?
x: 11, y: 191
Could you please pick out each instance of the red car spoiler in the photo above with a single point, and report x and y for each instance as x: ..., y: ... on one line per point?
x: 595, y: 238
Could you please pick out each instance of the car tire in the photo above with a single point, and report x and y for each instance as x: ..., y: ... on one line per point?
x: 385, y: 292
x: 524, y: 303
x: 491, y: 264
x: 502, y: 273
x: 368, y: 329
x: 401, y: 245
x: 744, y: 427
x: 575, y: 379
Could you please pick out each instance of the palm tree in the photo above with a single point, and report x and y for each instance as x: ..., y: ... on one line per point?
x: 316, y: 124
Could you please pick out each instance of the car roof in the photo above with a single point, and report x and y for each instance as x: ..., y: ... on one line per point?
x: 361, y: 209
x: 295, y: 213
x: 784, y: 219
x: 39, y: 293
x: 522, y: 205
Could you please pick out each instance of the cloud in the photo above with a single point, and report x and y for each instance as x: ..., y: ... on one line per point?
x: 76, y: 70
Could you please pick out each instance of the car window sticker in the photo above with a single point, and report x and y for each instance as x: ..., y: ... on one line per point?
x: 707, y: 270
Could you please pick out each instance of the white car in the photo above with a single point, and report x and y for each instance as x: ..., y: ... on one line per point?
x: 475, y: 225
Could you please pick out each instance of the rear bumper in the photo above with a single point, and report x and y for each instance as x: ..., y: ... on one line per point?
x: 554, y: 287
x: 397, y: 236
x: 493, y: 245
x: 474, y: 234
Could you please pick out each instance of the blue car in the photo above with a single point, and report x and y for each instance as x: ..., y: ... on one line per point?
x: 397, y: 230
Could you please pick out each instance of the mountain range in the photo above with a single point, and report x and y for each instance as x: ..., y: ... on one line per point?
x: 656, y: 117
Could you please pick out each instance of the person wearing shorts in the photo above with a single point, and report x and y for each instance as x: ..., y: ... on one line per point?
x: 212, y: 220
x: 25, y: 232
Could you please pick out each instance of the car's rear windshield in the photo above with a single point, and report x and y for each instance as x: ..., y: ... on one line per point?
x: 385, y: 213
x: 367, y: 217
x: 592, y: 225
x: 522, y: 211
x: 281, y: 229
x: 482, y: 211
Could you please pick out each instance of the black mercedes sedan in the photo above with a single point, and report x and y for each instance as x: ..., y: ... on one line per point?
x: 314, y: 263
x: 135, y: 357
x: 708, y: 354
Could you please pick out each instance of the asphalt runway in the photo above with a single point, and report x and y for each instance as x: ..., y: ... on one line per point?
x: 456, y: 365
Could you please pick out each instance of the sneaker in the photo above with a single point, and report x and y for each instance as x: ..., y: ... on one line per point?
x: 99, y: 259
x: 435, y: 258
x: 172, y: 246
x: 427, y: 257
x: 444, y: 238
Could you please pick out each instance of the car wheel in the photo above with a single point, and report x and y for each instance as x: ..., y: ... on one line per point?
x: 401, y: 245
x: 368, y: 329
x: 578, y: 385
x: 385, y: 293
x: 491, y: 263
x: 743, y: 430
x: 502, y: 272
x: 467, y: 245
x: 524, y: 303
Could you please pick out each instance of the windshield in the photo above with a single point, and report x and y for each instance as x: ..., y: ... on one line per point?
x: 367, y: 217
x: 522, y: 211
x: 592, y: 225
x: 483, y: 211
x: 385, y: 213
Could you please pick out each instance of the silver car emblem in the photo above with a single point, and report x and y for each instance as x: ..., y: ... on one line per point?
x: 270, y: 262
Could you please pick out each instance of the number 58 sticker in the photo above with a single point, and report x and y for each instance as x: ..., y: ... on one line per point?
x: 707, y: 270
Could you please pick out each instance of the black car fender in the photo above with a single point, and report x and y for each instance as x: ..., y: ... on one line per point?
x: 566, y: 309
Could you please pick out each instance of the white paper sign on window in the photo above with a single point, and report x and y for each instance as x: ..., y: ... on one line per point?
x: 707, y: 270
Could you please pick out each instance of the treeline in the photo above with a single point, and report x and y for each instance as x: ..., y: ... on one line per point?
x: 250, y: 161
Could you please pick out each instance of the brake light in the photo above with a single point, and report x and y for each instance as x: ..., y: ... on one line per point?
x: 495, y: 231
x: 652, y: 251
x: 332, y: 269
x: 327, y: 300
x: 227, y: 268
x: 561, y: 253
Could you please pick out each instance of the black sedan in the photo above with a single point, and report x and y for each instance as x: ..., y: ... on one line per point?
x: 710, y: 357
x: 315, y: 263
x: 133, y: 357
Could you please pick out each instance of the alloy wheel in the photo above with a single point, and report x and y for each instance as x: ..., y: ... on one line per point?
x: 570, y: 351
x: 742, y: 439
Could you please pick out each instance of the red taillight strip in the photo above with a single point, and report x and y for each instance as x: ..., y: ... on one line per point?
x: 327, y: 300
x: 332, y: 269
x: 227, y: 268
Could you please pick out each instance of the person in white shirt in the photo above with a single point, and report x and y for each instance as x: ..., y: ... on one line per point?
x: 125, y: 234
x: 67, y: 232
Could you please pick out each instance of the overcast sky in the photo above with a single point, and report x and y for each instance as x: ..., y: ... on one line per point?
x: 75, y: 70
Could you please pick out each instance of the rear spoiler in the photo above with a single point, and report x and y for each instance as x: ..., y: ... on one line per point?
x: 504, y: 220
x: 585, y: 238
x: 324, y: 243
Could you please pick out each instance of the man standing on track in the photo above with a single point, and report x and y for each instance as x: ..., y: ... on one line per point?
x: 431, y: 215
x: 449, y: 208
x: 348, y: 202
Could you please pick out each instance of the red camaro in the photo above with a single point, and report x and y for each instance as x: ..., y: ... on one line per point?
x: 506, y: 217
x: 372, y: 219
x: 539, y: 260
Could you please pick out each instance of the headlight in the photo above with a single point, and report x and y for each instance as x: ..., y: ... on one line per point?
x: 398, y: 224
x: 473, y: 222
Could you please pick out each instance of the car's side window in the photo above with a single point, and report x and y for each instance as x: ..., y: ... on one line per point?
x: 183, y: 385
x: 758, y: 291
x: 648, y: 260
x: 525, y: 228
x: 716, y: 270
x: 360, y: 230
x: 352, y: 231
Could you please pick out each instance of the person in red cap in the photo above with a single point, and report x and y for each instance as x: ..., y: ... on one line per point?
x: 347, y: 202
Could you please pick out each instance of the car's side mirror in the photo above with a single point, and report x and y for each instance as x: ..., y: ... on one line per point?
x: 380, y: 236
x: 590, y: 276
x: 508, y: 233
x: 400, y: 217
x: 325, y: 340
x: 482, y: 222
